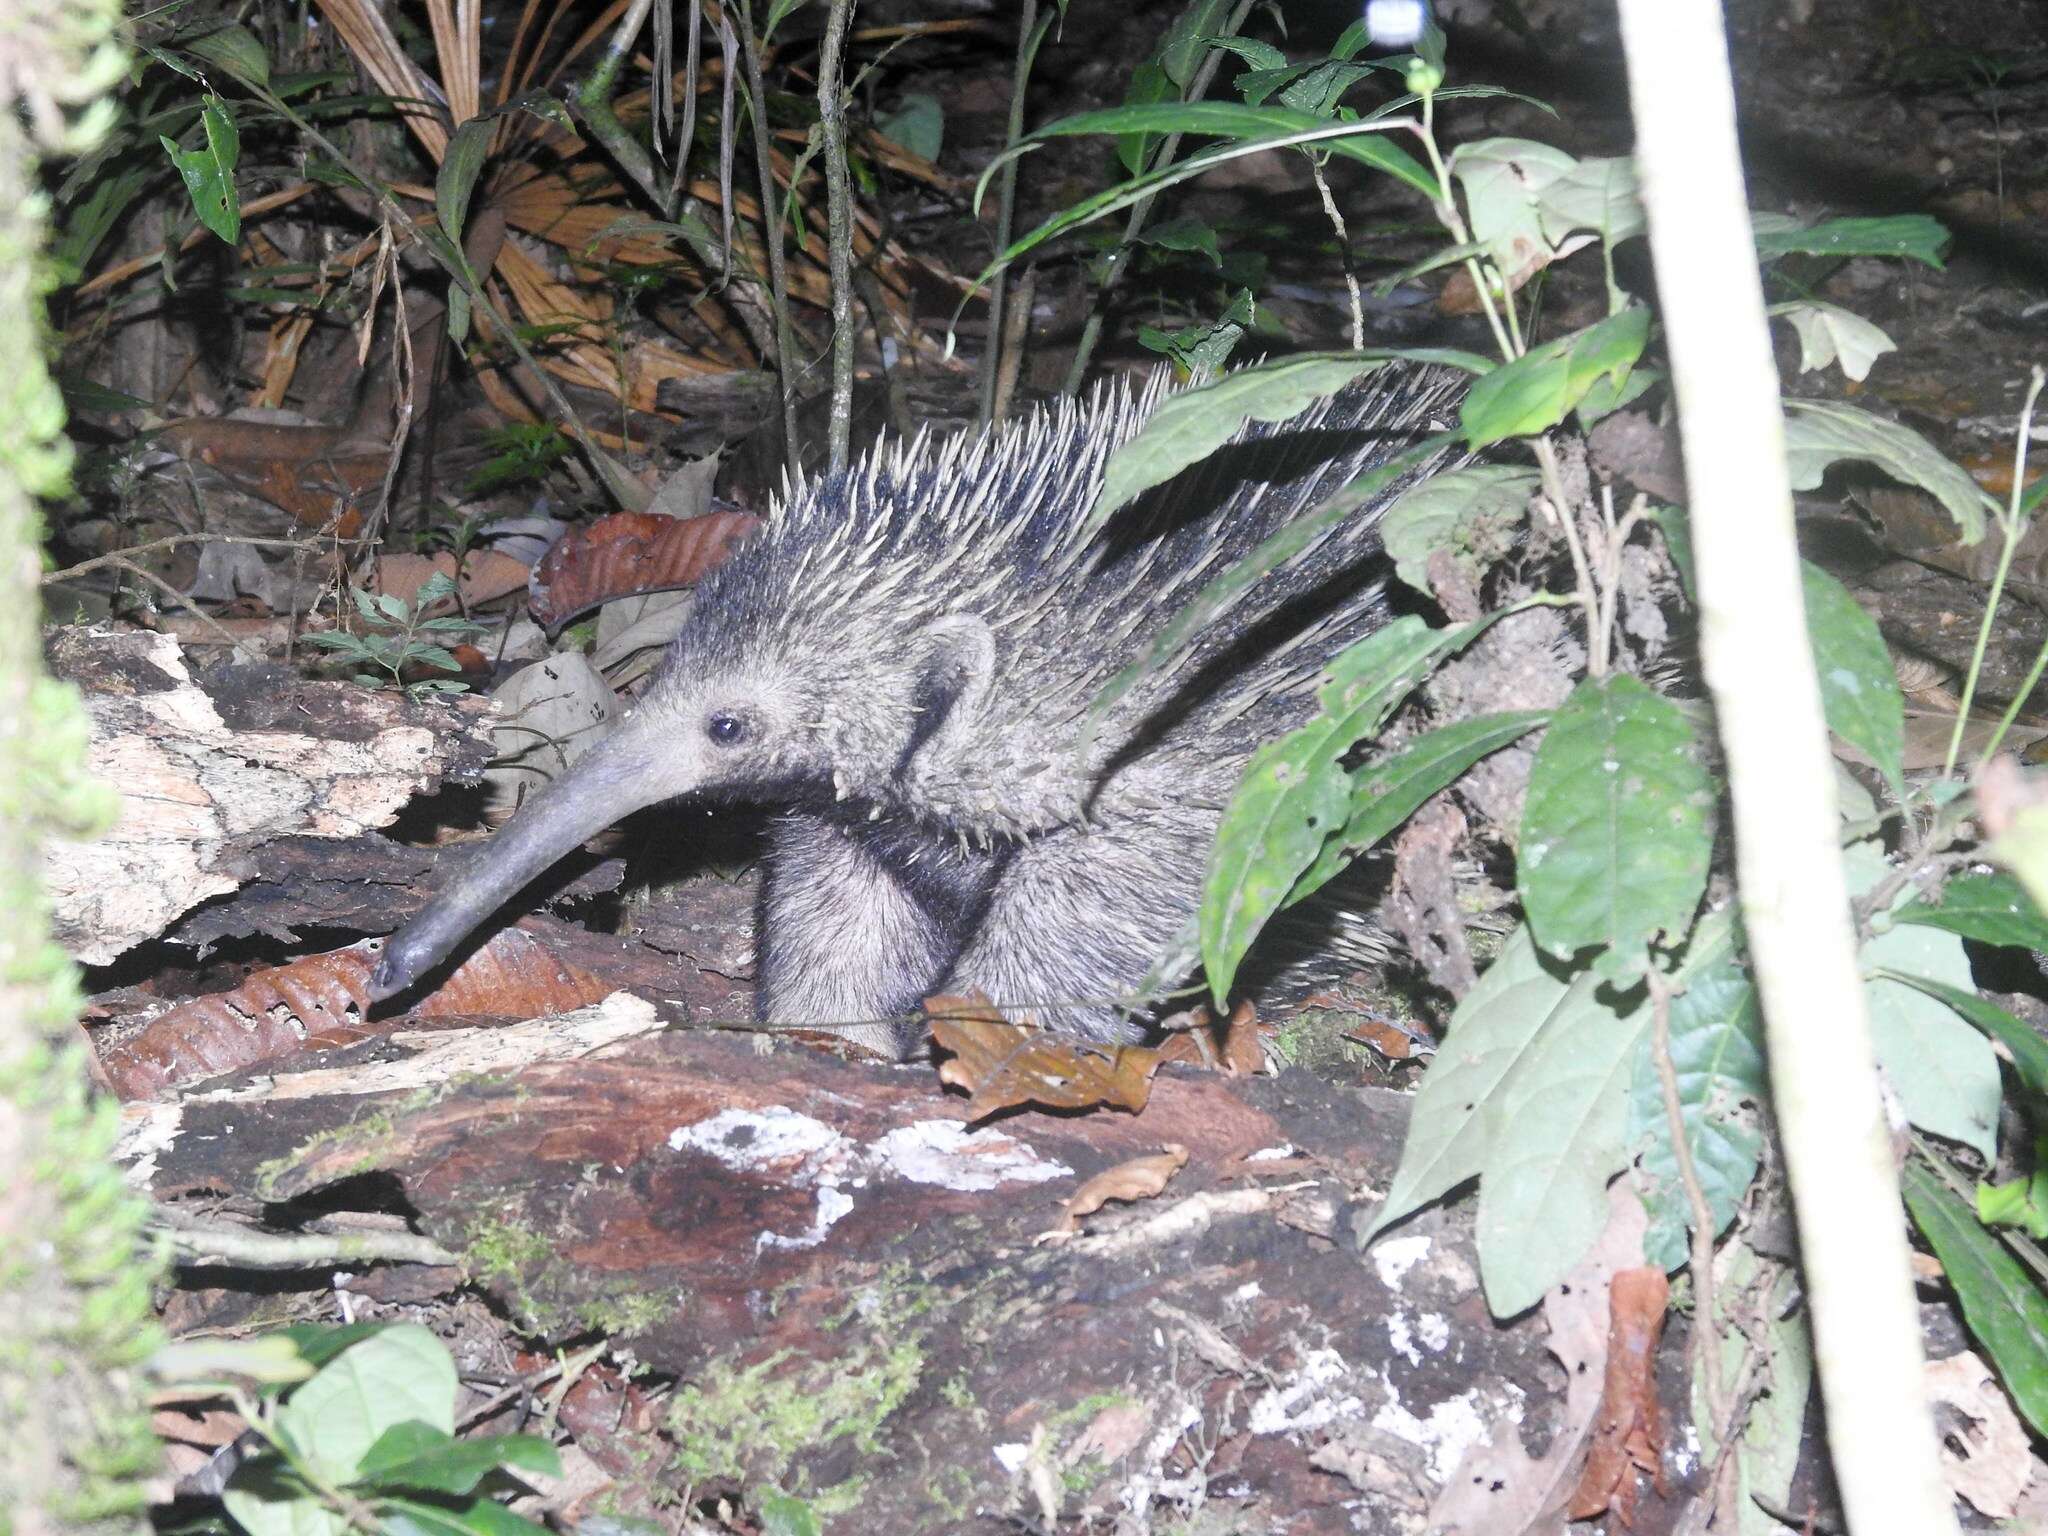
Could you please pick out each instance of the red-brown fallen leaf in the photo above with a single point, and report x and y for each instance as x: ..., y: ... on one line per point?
x: 1001, y: 1064
x: 629, y: 553
x: 1139, y: 1179
x: 319, y: 1002
x: 485, y: 575
x: 1627, y: 1437
x: 1238, y: 1052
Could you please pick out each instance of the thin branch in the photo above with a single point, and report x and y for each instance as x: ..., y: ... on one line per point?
x: 1343, y: 253
x: 122, y: 557
x: 1028, y: 36
x: 196, y: 1243
x: 771, y: 230
x: 839, y: 223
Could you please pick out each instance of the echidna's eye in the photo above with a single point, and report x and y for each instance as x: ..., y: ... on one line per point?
x: 725, y: 729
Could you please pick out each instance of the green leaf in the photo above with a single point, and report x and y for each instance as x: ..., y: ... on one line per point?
x: 400, y: 1374
x: 1149, y: 86
x: 1503, y: 181
x: 1386, y: 793
x: 1820, y: 432
x: 1471, y: 512
x: 1673, y: 523
x: 776, y: 13
x: 1537, y: 390
x: 266, y: 1498
x: 1180, y: 55
x: 1599, y: 195
x: 1944, y: 1072
x: 1859, y: 689
x: 1295, y: 794
x: 1193, y: 424
x: 468, y: 151
x: 1913, y: 236
x: 1276, y: 550
x: 1992, y: 909
x: 1829, y: 333
x: 1318, y: 92
x: 476, y: 1517
x: 1608, y: 395
x: 235, y: 49
x: 2028, y: 1050
x: 1253, y: 130
x: 392, y: 607
x: 1616, y: 830
x: 1717, y: 1055
x: 2002, y: 1302
x: 918, y: 124
x: 1185, y: 234
x: 209, y: 173
x: 422, y: 1458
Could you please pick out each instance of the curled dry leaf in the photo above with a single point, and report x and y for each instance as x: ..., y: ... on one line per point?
x: 1139, y: 1179
x: 1237, y: 1052
x: 627, y: 554
x: 1001, y: 1064
x: 321, y: 1001
x: 1627, y: 1435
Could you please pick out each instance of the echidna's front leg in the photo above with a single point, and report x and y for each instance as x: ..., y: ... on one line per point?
x: 842, y: 944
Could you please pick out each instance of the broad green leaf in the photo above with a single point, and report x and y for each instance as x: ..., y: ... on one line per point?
x: 1504, y: 180
x: 1829, y: 333
x: 209, y: 172
x: 1470, y: 512
x: 475, y: 1517
x: 2028, y: 1050
x: 1599, y: 195
x: 268, y: 1359
x: 1717, y: 1054
x: 1944, y: 1072
x: 235, y: 49
x: 1606, y: 395
x: 1913, y: 236
x: 1537, y: 390
x: 1275, y: 551
x: 1193, y: 424
x: 265, y: 1498
x: 1617, y: 827
x: 392, y: 607
x: 1560, y: 1135
x: 1261, y: 57
x: 400, y: 1374
x: 918, y: 124
x: 1295, y: 794
x: 1201, y: 350
x: 1319, y: 90
x: 1387, y: 793
x: 318, y: 1343
x: 1185, y: 234
x: 1820, y: 432
x: 1458, y: 1106
x: 1180, y: 54
x: 1672, y: 522
x: 1859, y: 690
x: 2002, y: 1302
x: 417, y: 1457
x: 1992, y: 909
x: 456, y: 182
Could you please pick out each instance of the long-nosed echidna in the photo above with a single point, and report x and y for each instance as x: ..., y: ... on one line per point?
x: 904, y: 661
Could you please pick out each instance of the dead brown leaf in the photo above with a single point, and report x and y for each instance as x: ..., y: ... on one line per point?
x: 1627, y: 1436
x: 628, y: 554
x: 319, y: 1002
x: 1000, y: 1064
x: 1139, y: 1179
x: 1238, y: 1052
x: 486, y: 575
x: 1989, y: 1462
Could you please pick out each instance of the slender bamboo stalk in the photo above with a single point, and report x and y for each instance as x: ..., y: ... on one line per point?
x: 1767, y: 701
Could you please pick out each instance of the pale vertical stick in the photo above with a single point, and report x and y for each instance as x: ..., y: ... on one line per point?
x: 1767, y: 699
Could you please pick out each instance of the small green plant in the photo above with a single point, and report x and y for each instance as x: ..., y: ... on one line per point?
x: 397, y: 639
x: 359, y: 1429
x: 521, y: 453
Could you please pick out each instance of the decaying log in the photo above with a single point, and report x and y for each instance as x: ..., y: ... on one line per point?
x: 214, y: 766
x: 783, y: 1229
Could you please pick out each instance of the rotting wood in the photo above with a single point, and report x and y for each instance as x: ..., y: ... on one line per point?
x: 212, y: 767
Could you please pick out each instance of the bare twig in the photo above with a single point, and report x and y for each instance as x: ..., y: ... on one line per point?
x: 839, y: 222
x: 771, y: 230
x: 1028, y: 36
x: 1336, y: 218
x: 196, y: 1243
x: 122, y: 557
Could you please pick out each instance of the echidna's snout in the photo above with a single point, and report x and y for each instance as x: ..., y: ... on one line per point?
x: 621, y: 774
